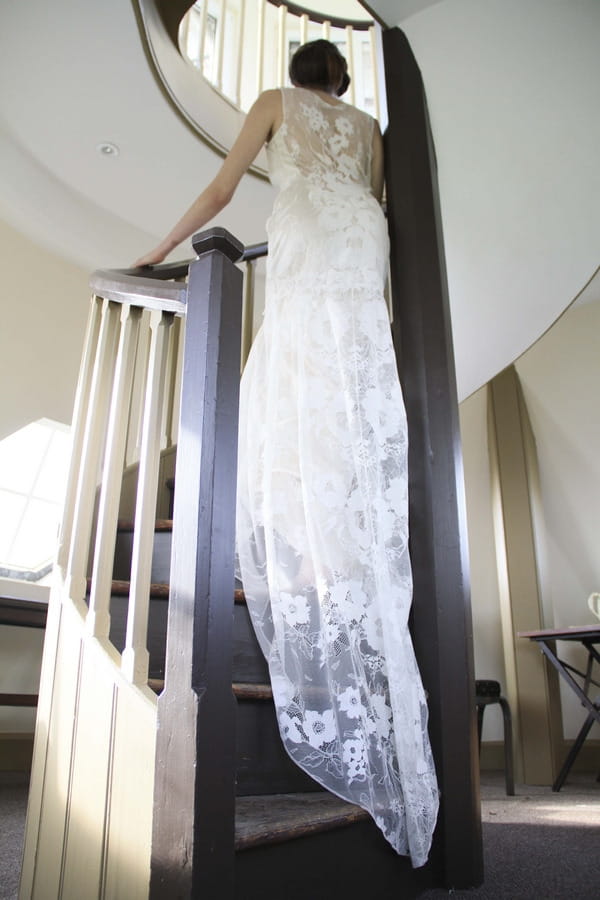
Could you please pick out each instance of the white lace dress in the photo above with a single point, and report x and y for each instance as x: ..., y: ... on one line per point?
x: 322, y: 527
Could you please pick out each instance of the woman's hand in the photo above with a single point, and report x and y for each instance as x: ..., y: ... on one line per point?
x: 264, y: 117
x: 154, y: 256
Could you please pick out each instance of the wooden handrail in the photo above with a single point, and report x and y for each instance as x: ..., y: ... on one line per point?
x: 138, y: 286
x: 173, y: 11
x: 122, y: 286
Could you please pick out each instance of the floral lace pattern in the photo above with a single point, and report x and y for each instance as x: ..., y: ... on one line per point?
x: 322, y: 529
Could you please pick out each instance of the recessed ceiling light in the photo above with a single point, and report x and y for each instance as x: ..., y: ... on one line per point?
x: 107, y: 149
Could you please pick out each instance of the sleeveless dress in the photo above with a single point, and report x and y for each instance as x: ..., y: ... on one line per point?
x: 322, y: 520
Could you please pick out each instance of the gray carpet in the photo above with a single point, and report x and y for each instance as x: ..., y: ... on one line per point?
x: 13, y: 803
x: 537, y: 845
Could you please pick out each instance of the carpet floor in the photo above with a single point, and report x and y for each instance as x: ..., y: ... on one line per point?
x: 537, y: 845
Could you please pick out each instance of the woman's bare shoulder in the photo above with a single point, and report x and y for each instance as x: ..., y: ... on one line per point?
x: 270, y: 105
x: 270, y: 98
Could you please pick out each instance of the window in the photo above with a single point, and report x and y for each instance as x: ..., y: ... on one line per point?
x: 33, y: 473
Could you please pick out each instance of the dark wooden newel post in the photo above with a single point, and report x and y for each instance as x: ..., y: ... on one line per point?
x: 441, y: 617
x: 194, y: 797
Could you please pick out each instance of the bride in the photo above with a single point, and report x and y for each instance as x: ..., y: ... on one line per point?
x: 322, y: 518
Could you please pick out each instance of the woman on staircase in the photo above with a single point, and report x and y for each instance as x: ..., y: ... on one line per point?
x: 322, y: 520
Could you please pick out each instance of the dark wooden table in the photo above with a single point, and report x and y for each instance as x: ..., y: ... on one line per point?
x: 588, y: 636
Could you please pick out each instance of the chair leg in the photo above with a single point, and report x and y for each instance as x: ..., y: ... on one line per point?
x: 480, y: 711
x: 508, y: 747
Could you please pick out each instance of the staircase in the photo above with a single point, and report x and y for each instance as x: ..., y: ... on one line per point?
x: 262, y: 765
x: 178, y: 788
x: 281, y: 814
x: 158, y: 769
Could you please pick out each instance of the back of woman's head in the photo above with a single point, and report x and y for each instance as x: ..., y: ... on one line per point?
x: 319, y: 64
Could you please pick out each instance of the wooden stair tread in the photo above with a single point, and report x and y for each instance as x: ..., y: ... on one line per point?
x: 283, y: 817
x: 242, y: 691
x: 122, y: 588
x: 245, y: 691
x: 157, y: 590
x: 124, y: 525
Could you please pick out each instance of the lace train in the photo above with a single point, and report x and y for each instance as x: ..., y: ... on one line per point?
x: 322, y: 531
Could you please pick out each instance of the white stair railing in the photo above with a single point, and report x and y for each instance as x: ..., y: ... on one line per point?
x: 90, y: 818
x: 243, y: 47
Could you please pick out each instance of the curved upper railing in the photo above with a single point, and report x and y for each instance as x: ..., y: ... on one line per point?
x: 244, y: 46
x: 235, y: 70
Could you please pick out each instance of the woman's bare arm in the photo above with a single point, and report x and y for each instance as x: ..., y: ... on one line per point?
x: 261, y: 122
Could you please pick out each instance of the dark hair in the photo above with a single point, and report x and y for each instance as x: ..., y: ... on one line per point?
x: 319, y: 64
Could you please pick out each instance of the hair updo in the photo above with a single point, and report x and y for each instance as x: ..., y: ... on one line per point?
x: 319, y: 64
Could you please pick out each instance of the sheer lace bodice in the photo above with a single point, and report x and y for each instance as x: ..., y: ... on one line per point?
x: 325, y: 142
x: 322, y: 529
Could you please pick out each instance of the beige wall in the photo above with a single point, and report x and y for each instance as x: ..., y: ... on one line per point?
x: 560, y: 376
x: 487, y: 627
x: 44, y: 302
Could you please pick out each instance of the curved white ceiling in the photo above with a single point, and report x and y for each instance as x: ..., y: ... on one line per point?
x: 513, y: 89
x: 74, y: 75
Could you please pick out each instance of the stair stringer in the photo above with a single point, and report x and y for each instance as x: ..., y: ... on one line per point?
x: 89, y: 820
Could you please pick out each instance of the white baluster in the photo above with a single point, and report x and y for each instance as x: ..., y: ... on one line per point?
x: 374, y: 64
x: 260, y: 45
x: 184, y: 34
x: 303, y: 28
x: 281, y: 43
x: 203, y: 34
x: 350, y: 60
x: 170, y: 423
x: 179, y: 330
x: 98, y: 620
x: 239, y: 54
x: 80, y: 414
x: 379, y: 78
x: 326, y: 29
x: 91, y: 451
x: 221, y: 44
x: 136, y: 409
x: 135, y: 656
x: 247, y: 311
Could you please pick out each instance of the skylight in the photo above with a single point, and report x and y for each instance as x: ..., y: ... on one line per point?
x: 33, y: 472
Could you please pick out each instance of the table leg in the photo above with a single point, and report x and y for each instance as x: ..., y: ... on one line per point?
x: 566, y: 768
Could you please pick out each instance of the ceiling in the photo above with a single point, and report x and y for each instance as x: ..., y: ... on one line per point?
x: 513, y: 91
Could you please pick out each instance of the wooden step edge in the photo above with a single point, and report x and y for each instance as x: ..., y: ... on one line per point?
x: 122, y: 588
x: 157, y: 590
x: 125, y: 525
x: 18, y: 699
x: 241, y: 690
x: 276, y: 818
x: 248, y: 691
